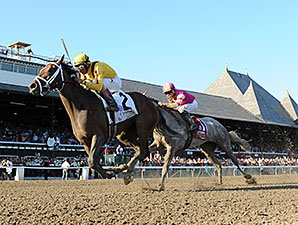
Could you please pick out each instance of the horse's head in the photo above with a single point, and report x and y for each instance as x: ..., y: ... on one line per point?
x: 48, y: 79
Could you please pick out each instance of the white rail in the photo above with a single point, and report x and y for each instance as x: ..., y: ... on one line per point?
x: 174, y: 171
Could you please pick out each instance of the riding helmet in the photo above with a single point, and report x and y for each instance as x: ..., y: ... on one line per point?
x: 168, y: 87
x: 81, y: 58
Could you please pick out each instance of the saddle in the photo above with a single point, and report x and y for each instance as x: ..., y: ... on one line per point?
x: 127, y: 109
x: 126, y: 105
x: 201, y: 131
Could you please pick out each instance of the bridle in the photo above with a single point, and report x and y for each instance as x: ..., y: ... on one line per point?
x: 48, y: 82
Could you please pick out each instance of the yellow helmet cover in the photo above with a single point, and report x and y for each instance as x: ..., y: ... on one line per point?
x: 81, y: 59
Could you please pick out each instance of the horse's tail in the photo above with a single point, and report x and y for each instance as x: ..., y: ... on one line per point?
x: 237, y: 140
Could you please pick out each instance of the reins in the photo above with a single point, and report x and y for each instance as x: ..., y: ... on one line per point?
x: 51, y: 80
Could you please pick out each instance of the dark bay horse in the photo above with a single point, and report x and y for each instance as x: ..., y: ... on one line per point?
x: 172, y: 133
x: 89, y: 120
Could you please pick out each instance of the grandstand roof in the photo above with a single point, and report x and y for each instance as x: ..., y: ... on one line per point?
x: 251, y: 96
x: 291, y: 106
x: 208, y: 105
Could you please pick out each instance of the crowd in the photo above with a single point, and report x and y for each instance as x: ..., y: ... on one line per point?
x: 38, y: 160
x: 154, y: 160
x: 13, y: 133
x: 158, y: 160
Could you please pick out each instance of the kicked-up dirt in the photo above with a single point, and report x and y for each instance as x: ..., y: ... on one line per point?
x: 273, y: 200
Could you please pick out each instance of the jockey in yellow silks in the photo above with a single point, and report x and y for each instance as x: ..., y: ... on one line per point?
x: 100, y: 77
x: 181, y: 101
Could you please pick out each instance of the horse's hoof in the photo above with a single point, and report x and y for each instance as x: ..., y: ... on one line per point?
x: 110, y: 174
x: 247, y: 176
x: 251, y: 181
x: 161, y: 188
x: 123, y: 167
x: 128, y: 178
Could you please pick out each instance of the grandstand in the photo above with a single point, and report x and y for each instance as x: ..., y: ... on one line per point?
x: 234, y: 99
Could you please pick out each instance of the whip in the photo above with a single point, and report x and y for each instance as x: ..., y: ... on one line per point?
x: 76, y: 75
x: 65, y: 49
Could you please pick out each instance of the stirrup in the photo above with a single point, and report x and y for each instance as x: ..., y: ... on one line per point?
x: 193, y: 127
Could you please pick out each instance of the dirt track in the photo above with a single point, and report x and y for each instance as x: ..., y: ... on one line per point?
x: 274, y: 200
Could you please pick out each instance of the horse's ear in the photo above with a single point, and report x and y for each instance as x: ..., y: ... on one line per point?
x: 60, y: 60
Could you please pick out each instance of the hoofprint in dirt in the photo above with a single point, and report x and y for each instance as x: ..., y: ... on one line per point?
x: 186, y: 201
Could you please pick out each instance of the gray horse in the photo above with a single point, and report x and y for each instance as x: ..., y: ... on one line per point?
x: 172, y: 133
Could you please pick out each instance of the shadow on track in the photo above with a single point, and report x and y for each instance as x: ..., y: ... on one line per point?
x: 284, y: 187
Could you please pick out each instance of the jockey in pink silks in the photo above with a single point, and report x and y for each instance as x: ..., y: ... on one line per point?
x: 182, y: 101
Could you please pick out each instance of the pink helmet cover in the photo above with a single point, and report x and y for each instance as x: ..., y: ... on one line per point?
x: 168, y: 87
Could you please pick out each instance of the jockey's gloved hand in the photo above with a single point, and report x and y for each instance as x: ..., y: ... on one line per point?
x: 74, y: 76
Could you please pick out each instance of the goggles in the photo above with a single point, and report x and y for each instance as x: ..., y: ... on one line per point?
x: 80, y: 66
x: 168, y: 92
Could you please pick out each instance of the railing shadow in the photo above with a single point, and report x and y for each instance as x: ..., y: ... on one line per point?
x: 254, y: 188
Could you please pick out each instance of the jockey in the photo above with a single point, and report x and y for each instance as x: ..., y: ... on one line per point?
x: 181, y: 101
x: 99, y: 77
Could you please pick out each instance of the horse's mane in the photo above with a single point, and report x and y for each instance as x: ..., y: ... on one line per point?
x: 68, y: 68
x: 162, y: 120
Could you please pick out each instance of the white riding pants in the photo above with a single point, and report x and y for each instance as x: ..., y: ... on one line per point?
x: 113, y: 84
x: 189, y: 107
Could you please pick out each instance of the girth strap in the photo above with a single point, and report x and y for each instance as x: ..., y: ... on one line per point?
x: 113, y: 127
x: 188, y: 140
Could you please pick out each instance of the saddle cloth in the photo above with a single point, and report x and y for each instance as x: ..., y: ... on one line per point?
x: 127, y: 108
x: 201, y: 131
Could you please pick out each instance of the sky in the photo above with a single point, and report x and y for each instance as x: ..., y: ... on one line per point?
x: 187, y: 42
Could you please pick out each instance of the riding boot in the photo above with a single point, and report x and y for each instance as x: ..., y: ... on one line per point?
x: 190, y: 121
x: 112, y: 105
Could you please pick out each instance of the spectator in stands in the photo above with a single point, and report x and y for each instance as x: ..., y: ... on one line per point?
x: 82, y: 164
x: 57, y: 142
x: 29, y: 53
x: 110, y: 162
x: 65, y: 165
x: 4, y: 51
x: 119, y: 150
x: 35, y: 138
x: 51, y: 142
x: 8, y: 172
x: 106, y: 151
x: 45, y: 163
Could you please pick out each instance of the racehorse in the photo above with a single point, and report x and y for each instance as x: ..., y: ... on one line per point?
x: 172, y: 132
x: 89, y: 120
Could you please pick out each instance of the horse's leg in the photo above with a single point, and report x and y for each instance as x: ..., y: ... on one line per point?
x: 248, y: 177
x: 166, y: 166
x: 128, y: 139
x: 144, y: 125
x: 140, y: 154
x: 235, y: 161
x: 94, y: 157
x: 155, y: 146
x: 140, y: 147
x: 208, y: 150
